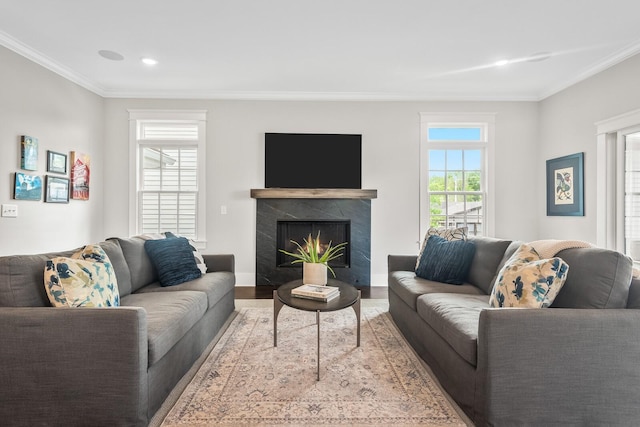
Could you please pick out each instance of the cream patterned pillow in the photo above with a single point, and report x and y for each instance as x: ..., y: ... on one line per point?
x: 86, y: 279
x: 528, y: 281
x: 446, y: 233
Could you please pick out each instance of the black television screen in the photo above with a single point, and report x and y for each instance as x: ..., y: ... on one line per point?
x: 310, y: 160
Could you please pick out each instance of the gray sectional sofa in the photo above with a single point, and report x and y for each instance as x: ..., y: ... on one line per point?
x: 575, y: 363
x: 103, y: 366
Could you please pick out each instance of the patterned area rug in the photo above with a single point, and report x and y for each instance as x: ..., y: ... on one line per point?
x: 247, y: 381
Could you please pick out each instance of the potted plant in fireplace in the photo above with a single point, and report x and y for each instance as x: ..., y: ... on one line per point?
x: 315, y: 259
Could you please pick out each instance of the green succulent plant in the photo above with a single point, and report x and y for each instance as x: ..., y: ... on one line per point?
x: 310, y: 252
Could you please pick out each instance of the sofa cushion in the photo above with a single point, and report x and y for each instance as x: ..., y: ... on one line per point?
x: 119, y: 264
x: 170, y: 315
x: 484, y: 267
x: 173, y: 260
x: 86, y: 279
x: 528, y: 281
x: 455, y: 318
x: 598, y: 278
x: 22, y: 278
x: 215, y: 285
x: 634, y: 294
x: 140, y: 266
x: 446, y: 261
x: 409, y: 287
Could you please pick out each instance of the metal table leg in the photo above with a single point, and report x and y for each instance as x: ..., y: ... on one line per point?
x: 318, y: 323
x: 356, y: 308
x: 277, y: 306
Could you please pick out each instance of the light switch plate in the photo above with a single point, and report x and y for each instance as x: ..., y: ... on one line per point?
x: 10, y: 211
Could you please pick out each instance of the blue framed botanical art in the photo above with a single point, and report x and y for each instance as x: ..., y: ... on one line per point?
x: 565, y: 185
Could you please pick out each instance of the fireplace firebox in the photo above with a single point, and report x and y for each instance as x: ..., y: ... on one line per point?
x: 334, y: 232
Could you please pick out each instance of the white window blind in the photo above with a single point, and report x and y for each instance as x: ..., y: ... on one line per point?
x: 169, y: 190
x: 168, y: 177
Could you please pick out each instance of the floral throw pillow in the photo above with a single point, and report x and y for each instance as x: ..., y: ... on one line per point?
x: 450, y: 234
x: 86, y: 279
x: 528, y: 281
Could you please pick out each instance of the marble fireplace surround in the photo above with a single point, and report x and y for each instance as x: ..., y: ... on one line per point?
x: 283, y: 204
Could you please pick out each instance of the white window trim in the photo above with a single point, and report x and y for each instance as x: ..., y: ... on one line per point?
x: 611, y: 135
x: 134, y: 179
x: 484, y: 119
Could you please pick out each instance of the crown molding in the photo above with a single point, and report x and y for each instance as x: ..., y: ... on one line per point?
x: 311, y: 96
x: 81, y: 80
x: 608, y: 62
x: 48, y: 63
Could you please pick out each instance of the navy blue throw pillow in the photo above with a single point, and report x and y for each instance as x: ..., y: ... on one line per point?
x: 173, y: 260
x: 446, y: 261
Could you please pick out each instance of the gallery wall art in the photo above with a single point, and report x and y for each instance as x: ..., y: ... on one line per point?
x: 27, y: 187
x: 56, y: 162
x: 28, y: 153
x: 57, y: 189
x: 80, y: 175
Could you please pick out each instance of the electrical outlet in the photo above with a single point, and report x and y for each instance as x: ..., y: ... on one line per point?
x: 223, y: 210
x: 10, y: 211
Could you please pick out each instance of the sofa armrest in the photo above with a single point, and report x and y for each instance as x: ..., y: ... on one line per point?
x: 220, y: 262
x: 402, y: 262
x: 73, y: 366
x: 545, y: 366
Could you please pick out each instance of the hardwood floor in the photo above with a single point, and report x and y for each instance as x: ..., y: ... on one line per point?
x: 266, y: 292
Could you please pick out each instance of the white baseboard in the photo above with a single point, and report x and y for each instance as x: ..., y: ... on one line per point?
x: 245, y: 279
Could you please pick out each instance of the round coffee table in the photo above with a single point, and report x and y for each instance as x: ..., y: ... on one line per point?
x: 349, y: 297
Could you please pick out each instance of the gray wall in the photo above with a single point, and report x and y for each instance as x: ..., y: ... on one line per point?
x: 567, y: 126
x: 64, y: 117
x: 390, y: 135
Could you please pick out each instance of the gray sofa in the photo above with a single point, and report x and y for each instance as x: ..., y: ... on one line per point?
x: 103, y: 366
x: 575, y: 363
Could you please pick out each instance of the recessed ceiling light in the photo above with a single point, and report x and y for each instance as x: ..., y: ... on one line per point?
x: 501, y: 63
x: 109, y: 54
x: 149, y: 61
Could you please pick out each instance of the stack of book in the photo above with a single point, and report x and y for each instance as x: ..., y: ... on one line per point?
x: 316, y: 292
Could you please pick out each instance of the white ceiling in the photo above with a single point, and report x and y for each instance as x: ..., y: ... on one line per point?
x: 324, y: 49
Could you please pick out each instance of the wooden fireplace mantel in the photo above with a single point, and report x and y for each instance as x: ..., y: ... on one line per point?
x: 312, y: 193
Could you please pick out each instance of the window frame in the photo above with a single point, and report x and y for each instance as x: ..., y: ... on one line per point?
x: 135, y: 173
x: 610, y: 170
x: 486, y: 121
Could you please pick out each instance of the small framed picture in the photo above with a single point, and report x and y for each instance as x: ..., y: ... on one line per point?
x: 57, y: 190
x: 28, y: 153
x: 27, y: 187
x: 56, y: 162
x: 565, y: 186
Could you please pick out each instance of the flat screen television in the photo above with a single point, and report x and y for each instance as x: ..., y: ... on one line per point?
x: 312, y: 160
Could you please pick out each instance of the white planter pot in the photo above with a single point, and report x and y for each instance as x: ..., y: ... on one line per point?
x: 314, y: 274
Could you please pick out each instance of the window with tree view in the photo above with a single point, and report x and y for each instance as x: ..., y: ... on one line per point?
x: 454, y: 158
x: 455, y: 193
